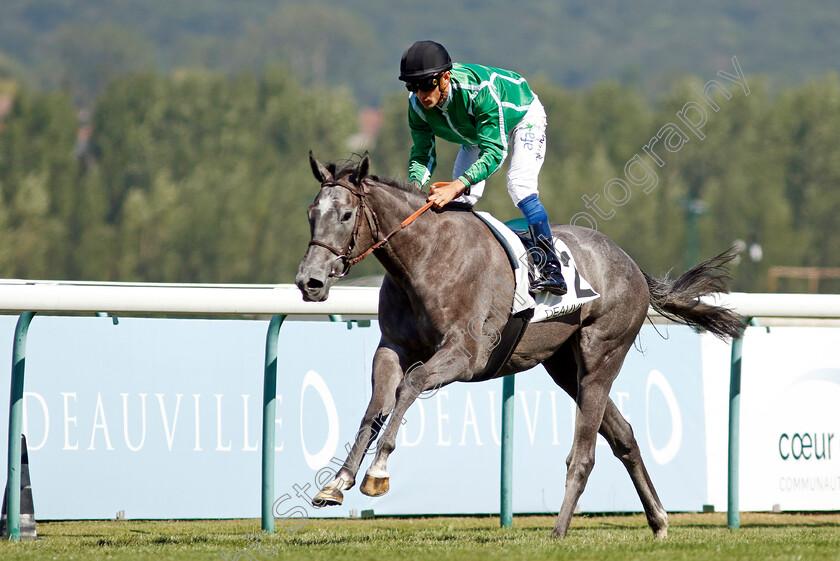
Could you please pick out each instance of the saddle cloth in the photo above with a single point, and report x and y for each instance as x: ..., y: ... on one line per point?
x: 545, y: 305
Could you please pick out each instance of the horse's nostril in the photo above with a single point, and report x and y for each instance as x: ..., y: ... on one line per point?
x: 314, y: 283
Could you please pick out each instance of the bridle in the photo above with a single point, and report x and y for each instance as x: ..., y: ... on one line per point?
x: 373, y: 224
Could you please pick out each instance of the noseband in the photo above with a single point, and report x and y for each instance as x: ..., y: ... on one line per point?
x: 373, y: 225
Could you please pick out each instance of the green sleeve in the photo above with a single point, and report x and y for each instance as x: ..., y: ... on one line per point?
x: 423, y: 158
x: 491, y: 138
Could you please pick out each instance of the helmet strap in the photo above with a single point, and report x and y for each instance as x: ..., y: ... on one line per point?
x: 442, y: 91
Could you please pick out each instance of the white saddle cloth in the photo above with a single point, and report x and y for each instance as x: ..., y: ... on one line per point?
x: 546, y: 305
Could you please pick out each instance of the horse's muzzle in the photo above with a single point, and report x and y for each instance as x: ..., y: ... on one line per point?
x: 312, y: 289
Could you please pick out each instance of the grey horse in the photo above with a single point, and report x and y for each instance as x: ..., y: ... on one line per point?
x: 447, y: 293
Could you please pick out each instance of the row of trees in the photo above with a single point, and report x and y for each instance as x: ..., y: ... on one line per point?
x: 83, y: 44
x: 189, y: 177
x: 197, y: 177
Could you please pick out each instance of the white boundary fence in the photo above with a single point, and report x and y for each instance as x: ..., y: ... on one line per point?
x: 268, y: 299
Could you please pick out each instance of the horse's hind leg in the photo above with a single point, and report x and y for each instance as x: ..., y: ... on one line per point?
x: 599, y: 356
x: 387, y: 373
x: 619, y: 434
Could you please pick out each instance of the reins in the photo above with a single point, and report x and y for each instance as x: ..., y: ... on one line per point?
x: 373, y: 224
x: 384, y: 240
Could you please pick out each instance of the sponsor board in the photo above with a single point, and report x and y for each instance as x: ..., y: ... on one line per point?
x: 790, y: 426
x: 162, y: 418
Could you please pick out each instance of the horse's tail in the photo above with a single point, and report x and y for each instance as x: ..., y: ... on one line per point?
x: 679, y: 299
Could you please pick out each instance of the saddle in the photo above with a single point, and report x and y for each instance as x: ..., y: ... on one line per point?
x: 528, y: 307
x: 515, y: 239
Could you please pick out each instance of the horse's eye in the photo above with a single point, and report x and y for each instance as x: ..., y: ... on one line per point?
x: 346, y: 216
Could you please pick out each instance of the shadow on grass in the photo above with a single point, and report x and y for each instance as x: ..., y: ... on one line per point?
x: 132, y: 541
x: 788, y: 525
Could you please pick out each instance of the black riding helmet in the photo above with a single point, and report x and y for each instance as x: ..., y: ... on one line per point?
x: 424, y: 59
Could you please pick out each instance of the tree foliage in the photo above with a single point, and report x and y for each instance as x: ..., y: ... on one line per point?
x: 198, y: 176
x: 358, y: 42
x: 190, y: 177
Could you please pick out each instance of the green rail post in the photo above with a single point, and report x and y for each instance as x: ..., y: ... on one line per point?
x: 733, y: 512
x: 15, y: 423
x: 269, y: 411
x: 506, y: 491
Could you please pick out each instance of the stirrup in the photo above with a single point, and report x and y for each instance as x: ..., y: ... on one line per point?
x: 551, y: 284
x: 550, y: 278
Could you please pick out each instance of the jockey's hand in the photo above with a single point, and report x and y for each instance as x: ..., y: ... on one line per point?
x: 443, y: 193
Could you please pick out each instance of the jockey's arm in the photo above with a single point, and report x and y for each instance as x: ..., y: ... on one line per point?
x: 423, y: 159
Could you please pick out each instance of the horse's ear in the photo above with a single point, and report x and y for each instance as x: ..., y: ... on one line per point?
x: 363, y: 170
x: 319, y: 170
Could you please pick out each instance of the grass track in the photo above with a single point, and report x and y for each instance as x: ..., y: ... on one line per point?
x: 694, y: 537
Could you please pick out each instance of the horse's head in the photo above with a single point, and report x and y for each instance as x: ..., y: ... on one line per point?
x: 335, y: 220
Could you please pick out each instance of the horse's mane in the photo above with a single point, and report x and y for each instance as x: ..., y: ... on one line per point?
x: 399, y: 184
x: 346, y: 167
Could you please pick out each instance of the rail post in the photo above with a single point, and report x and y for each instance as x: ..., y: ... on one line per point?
x: 733, y: 512
x: 15, y: 423
x: 506, y: 491
x: 269, y: 413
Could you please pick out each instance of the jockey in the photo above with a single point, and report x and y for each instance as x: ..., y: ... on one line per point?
x: 490, y: 112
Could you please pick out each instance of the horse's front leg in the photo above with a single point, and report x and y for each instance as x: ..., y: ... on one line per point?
x: 445, y: 366
x: 387, y: 373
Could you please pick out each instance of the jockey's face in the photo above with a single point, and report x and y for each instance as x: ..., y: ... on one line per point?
x: 436, y: 95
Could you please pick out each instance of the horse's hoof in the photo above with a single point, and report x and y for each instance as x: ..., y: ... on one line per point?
x: 661, y: 533
x: 328, y: 497
x: 375, y: 486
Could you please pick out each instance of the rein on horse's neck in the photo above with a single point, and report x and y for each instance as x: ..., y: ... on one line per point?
x: 384, y: 201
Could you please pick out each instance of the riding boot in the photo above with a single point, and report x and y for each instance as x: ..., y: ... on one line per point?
x: 550, y: 278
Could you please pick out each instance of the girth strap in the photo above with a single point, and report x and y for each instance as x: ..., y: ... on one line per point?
x: 511, y: 334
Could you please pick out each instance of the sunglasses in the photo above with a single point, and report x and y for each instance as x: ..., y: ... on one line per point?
x: 424, y: 84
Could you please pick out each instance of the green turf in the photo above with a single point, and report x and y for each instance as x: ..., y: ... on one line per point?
x: 694, y: 537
